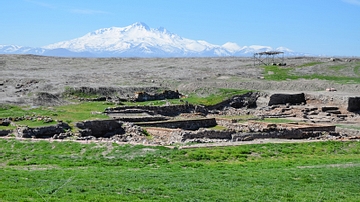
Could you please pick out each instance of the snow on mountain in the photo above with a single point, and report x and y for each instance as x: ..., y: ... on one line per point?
x: 138, y: 36
x: 138, y: 40
x: 14, y: 49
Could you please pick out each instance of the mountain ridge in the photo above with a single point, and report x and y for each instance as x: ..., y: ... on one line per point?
x: 139, y: 40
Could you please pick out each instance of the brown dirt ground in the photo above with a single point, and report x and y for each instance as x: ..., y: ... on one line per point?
x: 22, y: 76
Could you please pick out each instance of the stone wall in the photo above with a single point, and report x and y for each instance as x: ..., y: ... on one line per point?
x: 171, y: 136
x: 42, y: 132
x: 247, y: 100
x: 282, y: 134
x: 108, y: 91
x: 5, y: 132
x: 164, y: 136
x: 139, y: 119
x: 209, y: 134
x: 172, y: 110
x: 194, y: 124
x: 292, y: 99
x: 166, y: 94
x: 353, y: 104
x: 100, y: 128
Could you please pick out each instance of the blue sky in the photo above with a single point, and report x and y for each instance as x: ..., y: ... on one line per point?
x: 327, y: 27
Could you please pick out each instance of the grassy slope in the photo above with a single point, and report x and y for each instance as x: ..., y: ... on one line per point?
x: 70, y: 171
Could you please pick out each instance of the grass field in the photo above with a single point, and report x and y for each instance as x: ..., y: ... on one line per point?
x: 330, y: 73
x: 71, y: 171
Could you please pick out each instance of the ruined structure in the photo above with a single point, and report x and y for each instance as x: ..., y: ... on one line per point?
x: 173, y: 124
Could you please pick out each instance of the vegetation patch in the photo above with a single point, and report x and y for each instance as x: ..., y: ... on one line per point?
x: 276, y: 120
x: 357, y: 69
x: 309, y: 64
x: 218, y: 127
x: 70, y: 171
x: 354, y: 127
x: 68, y: 113
x: 214, y: 98
x: 72, y: 92
x: 277, y: 73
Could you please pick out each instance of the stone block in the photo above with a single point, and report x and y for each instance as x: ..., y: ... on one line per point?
x: 292, y: 99
x: 353, y: 104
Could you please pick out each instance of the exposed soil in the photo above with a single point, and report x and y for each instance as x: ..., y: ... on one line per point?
x: 24, y: 76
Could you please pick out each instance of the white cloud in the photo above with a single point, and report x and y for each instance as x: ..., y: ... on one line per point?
x: 355, y: 2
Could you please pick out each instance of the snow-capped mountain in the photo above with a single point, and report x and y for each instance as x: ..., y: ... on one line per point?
x: 139, y: 40
x: 14, y: 49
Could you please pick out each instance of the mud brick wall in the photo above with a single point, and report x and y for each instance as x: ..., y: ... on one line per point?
x: 210, y: 134
x: 42, y: 132
x: 5, y: 132
x: 100, y: 128
x: 353, y: 104
x: 182, y: 124
x: 171, y: 110
x: 293, y: 99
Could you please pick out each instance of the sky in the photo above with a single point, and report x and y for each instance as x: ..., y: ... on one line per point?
x: 321, y: 27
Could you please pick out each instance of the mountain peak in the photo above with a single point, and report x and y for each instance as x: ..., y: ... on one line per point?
x: 139, y: 40
x: 140, y: 25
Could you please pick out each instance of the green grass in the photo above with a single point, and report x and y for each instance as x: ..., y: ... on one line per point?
x: 72, y: 92
x: 337, y: 67
x: 309, y: 64
x: 218, y: 127
x: 276, y: 120
x: 284, y: 73
x: 154, y: 102
x: 17, y: 111
x: 357, y: 69
x: 7, y: 127
x: 70, y: 171
x: 34, y: 123
x: 68, y: 113
x: 349, y: 126
x: 239, y: 117
x: 215, y: 98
